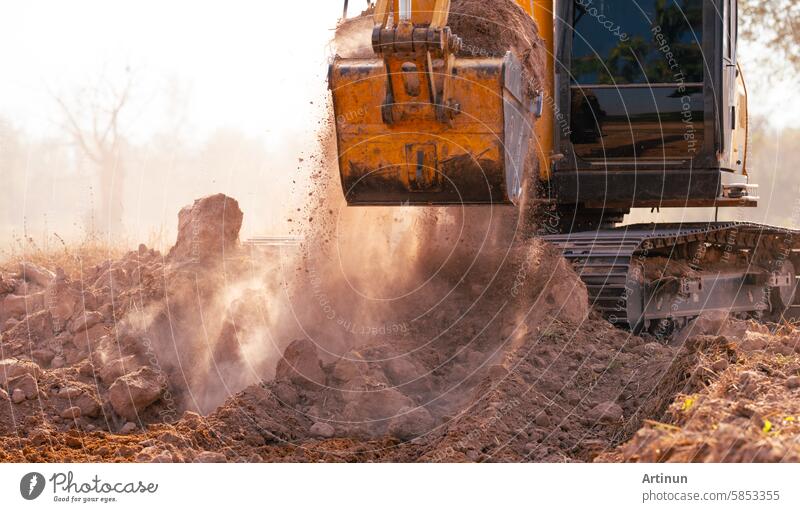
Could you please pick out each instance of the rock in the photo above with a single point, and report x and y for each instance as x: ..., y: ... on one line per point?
x: 89, y: 338
x: 7, y: 284
x: 89, y: 405
x: 320, y: 429
x: 17, y: 396
x: 11, y: 369
x: 349, y: 367
x: 542, y: 420
x: 33, y: 273
x: 85, y: 321
x: 43, y: 356
x: 207, y: 229
x: 192, y: 420
x: 497, y: 372
x: 70, y: 393
x: 115, y: 369
x: 172, y: 438
x: 132, y: 393
x: 128, y: 428
x: 300, y: 364
x: 165, y: 457
x: 754, y: 341
x: 28, y: 385
x: 370, y: 405
x: 18, y: 306
x: 719, y: 365
x: 709, y: 323
x: 411, y: 422
x: 107, y: 310
x: 606, y: 412
x: 33, y: 328
x: 209, y: 458
x: 61, y: 302
x: 411, y: 377
x: 793, y: 382
x: 401, y: 371
x: 286, y: 393
x: 71, y: 413
x: 4, y: 394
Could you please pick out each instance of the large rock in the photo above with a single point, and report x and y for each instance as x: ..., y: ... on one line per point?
x: 84, y: 321
x: 370, y: 405
x: 17, y: 306
x: 89, y: 405
x: 28, y: 385
x: 207, y: 229
x: 13, y: 369
x: 132, y: 393
x: 33, y: 328
x: 7, y: 284
x: 320, y: 429
x: 61, y: 301
x: 115, y: 369
x: 300, y: 364
x: 35, y: 274
x: 410, y: 423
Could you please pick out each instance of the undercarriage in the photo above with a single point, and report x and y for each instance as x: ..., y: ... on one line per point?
x: 657, y: 277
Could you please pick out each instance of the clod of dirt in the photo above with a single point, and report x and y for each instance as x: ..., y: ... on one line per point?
x: 605, y: 412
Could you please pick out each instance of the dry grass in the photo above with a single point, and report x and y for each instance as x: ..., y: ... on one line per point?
x: 55, y: 253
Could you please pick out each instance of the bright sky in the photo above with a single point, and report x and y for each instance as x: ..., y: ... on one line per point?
x: 250, y: 65
x: 245, y: 63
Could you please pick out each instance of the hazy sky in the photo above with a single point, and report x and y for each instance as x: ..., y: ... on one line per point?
x: 252, y: 66
x: 244, y: 63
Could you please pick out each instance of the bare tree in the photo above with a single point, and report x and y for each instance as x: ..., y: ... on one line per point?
x: 93, y: 118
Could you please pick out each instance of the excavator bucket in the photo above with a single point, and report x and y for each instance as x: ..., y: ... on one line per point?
x: 417, y: 126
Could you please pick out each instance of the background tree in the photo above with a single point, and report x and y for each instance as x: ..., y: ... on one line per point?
x: 94, y: 118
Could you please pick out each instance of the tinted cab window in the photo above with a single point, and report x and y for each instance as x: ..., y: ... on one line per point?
x: 636, y: 75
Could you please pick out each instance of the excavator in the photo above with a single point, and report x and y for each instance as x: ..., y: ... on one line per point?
x: 641, y: 105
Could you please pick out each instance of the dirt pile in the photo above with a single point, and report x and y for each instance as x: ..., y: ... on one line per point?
x: 495, y: 358
x: 492, y: 32
x: 744, y: 408
x: 138, y: 340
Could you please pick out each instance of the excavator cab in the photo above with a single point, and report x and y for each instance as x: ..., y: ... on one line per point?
x: 416, y: 125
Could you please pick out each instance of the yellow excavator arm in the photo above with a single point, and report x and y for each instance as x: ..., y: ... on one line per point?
x: 432, y: 128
